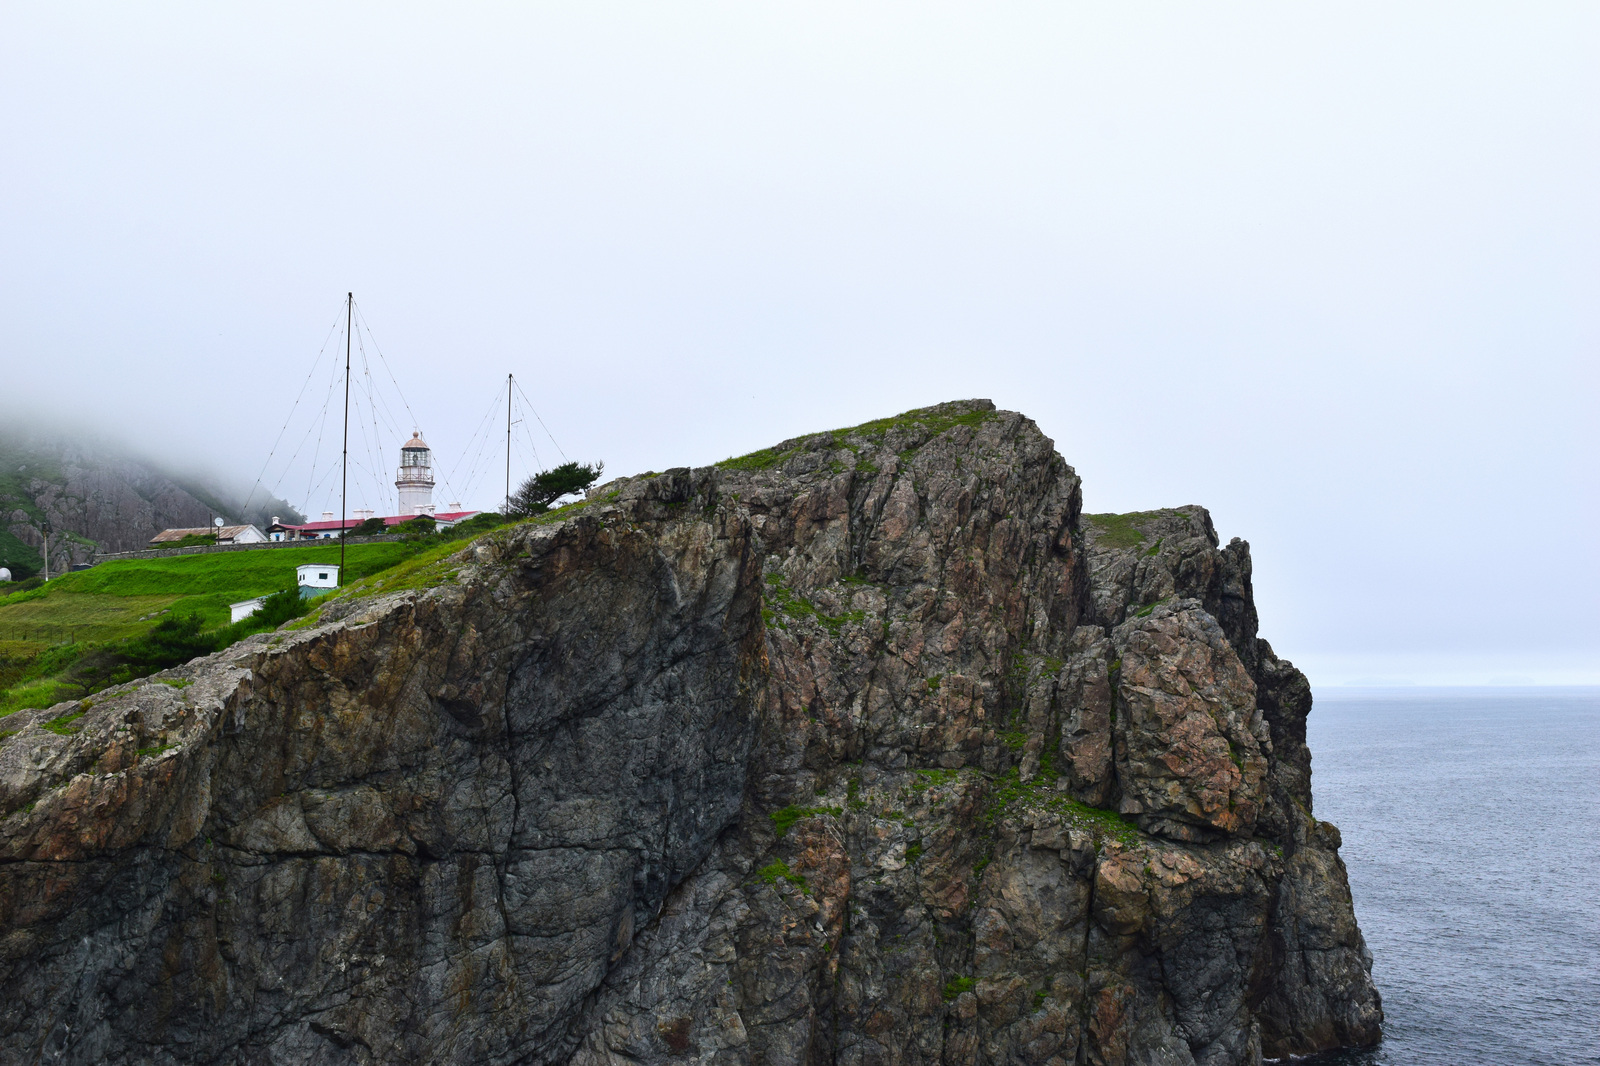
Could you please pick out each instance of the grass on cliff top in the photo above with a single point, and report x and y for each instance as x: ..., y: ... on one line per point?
x: 1122, y: 530
x: 433, y: 562
x: 930, y: 418
x: 1118, y: 530
x: 39, y: 677
x: 81, y: 616
x: 106, y: 601
x: 426, y: 568
x: 89, y: 629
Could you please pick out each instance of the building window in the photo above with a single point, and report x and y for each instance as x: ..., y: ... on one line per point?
x: 322, y: 577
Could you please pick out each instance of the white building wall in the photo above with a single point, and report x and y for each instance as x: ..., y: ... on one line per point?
x: 317, y: 576
x: 245, y: 608
x: 416, y: 497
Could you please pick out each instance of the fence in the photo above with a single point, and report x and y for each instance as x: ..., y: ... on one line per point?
x: 46, y: 633
x: 207, y: 549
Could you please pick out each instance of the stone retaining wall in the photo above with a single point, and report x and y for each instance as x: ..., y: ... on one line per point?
x: 203, y: 549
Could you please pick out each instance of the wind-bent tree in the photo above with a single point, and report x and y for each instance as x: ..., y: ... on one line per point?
x: 541, y: 490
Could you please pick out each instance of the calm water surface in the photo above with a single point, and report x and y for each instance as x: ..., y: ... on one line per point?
x: 1471, y: 822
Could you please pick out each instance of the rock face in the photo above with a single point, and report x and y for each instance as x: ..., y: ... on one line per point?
x: 94, y: 500
x: 866, y: 749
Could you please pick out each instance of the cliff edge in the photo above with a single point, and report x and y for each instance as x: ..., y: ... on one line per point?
x: 865, y: 749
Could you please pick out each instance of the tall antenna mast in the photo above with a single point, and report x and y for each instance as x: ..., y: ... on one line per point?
x: 508, y: 445
x: 344, y: 474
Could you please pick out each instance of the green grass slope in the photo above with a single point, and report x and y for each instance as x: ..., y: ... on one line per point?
x: 76, y: 634
x: 113, y: 600
x: 129, y: 618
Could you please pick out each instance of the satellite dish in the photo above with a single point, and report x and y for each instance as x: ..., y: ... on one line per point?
x: 217, y: 522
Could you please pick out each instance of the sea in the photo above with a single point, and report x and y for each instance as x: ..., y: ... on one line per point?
x: 1471, y: 824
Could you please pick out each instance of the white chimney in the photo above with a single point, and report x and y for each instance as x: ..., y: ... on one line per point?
x: 327, y: 516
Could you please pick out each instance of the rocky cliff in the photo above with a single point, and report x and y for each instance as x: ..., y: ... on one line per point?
x: 866, y: 749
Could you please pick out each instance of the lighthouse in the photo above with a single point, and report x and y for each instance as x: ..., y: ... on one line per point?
x: 415, y: 481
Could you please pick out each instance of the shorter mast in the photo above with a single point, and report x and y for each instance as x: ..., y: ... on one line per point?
x: 344, y: 474
x: 508, y: 445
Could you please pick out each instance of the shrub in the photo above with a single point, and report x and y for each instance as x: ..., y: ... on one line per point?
x: 778, y: 870
x: 412, y: 528
x: 481, y: 523
x: 540, y: 491
x: 278, y: 608
x: 372, y: 527
x: 785, y: 817
x: 171, y: 642
x: 958, y: 985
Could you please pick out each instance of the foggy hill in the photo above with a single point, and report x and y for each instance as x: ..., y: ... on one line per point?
x: 94, y: 495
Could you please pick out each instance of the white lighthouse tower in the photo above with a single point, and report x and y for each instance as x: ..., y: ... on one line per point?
x: 415, y: 481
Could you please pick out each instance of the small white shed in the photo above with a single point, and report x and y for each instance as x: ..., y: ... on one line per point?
x: 245, y: 608
x: 317, y: 578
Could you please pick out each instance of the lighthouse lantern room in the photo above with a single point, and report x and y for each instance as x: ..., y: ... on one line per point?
x: 415, y: 480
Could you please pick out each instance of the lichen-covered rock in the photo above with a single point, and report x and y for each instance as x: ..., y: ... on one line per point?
x: 1087, y: 710
x: 816, y: 756
x: 1189, y: 738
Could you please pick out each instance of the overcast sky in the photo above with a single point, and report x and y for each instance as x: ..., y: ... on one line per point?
x: 1328, y: 269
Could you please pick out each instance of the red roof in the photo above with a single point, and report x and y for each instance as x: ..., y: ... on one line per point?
x: 389, y: 520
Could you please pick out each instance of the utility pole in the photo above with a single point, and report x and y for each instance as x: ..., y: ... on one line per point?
x: 47, y: 552
x: 508, y: 446
x: 344, y: 474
